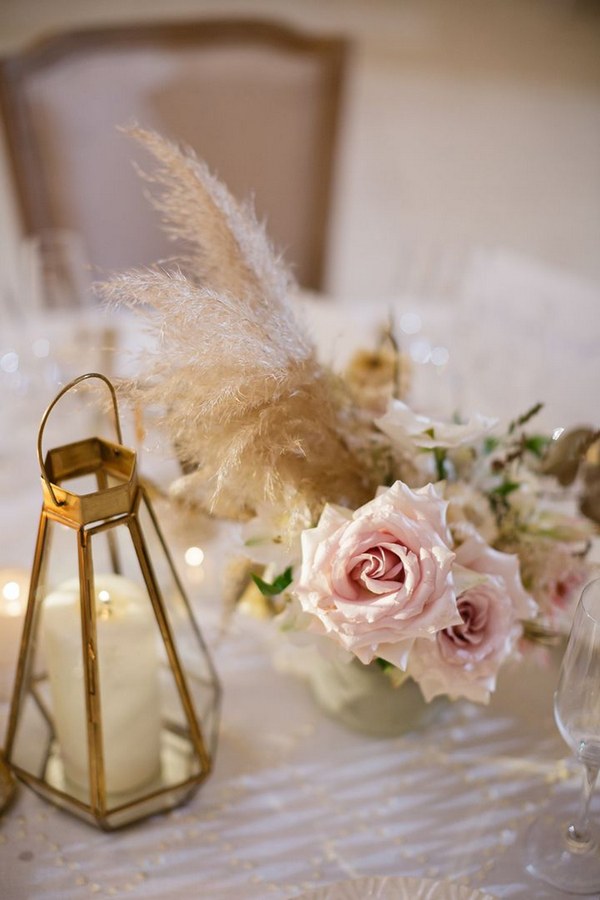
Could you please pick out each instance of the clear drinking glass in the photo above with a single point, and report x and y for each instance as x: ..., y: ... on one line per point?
x: 567, y: 854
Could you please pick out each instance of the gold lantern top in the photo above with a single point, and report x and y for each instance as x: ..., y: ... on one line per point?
x: 94, y: 455
x: 115, y: 706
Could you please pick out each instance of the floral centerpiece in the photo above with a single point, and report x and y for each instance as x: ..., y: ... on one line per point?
x: 422, y: 547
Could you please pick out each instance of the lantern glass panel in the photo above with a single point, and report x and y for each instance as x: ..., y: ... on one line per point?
x: 195, y: 660
x: 150, y: 743
x: 51, y: 736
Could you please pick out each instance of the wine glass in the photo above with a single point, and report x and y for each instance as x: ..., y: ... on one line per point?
x: 567, y: 854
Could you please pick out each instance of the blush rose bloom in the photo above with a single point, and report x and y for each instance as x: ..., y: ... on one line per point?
x: 464, y: 660
x: 378, y: 578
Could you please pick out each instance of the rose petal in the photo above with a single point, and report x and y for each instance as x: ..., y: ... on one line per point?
x: 382, y: 575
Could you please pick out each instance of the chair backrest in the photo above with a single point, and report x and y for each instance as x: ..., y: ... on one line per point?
x: 257, y: 100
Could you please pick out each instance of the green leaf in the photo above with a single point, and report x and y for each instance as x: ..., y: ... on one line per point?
x: 506, y: 488
x: 537, y: 444
x: 489, y: 444
x: 275, y: 587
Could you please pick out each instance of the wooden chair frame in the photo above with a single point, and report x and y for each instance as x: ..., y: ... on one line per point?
x: 32, y: 195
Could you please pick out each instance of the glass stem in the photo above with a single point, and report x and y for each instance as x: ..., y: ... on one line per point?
x: 579, y: 831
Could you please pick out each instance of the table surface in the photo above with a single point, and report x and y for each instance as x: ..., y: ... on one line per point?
x: 296, y: 800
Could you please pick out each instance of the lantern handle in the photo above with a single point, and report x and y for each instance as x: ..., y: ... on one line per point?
x: 46, y: 415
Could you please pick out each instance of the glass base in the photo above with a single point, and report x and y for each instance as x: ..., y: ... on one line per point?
x: 551, y: 856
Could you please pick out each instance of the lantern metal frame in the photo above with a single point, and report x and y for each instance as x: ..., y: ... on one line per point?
x: 90, y: 514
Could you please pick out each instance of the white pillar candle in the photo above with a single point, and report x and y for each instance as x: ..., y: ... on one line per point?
x: 128, y: 682
x: 14, y: 588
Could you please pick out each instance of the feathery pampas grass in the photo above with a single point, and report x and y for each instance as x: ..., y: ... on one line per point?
x: 244, y: 400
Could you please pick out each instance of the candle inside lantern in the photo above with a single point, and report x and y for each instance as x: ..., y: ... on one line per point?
x: 128, y: 682
x: 14, y: 588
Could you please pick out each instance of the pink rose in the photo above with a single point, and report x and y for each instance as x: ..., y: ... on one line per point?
x: 378, y: 578
x: 475, y: 554
x: 464, y: 660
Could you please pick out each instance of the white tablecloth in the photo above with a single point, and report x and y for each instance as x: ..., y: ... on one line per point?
x: 295, y: 800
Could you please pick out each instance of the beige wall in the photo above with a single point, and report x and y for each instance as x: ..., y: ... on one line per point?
x: 468, y: 122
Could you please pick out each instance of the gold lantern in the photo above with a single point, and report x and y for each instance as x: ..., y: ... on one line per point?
x: 115, y: 704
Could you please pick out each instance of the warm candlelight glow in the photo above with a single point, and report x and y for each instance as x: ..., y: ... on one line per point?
x: 104, y: 609
x: 194, y: 556
x: 14, y: 601
x: 11, y: 590
x: 14, y: 589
